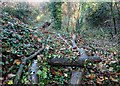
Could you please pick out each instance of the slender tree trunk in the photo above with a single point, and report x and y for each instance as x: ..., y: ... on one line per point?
x: 117, y: 8
x: 68, y: 8
x: 113, y: 17
x: 77, y: 25
x: 78, y: 20
x: 118, y: 16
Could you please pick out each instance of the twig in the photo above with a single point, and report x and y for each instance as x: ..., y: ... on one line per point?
x: 41, y: 49
x: 63, y: 39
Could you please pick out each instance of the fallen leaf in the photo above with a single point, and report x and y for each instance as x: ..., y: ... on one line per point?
x: 47, y: 47
x: 113, y: 79
x: 29, y: 64
x: 38, y: 57
x: 53, y: 71
x: 99, y: 80
x: 92, y: 76
x: 62, y: 49
x: 8, y: 51
x: 100, y: 65
x: 106, y: 78
x: 111, y: 69
x: 113, y: 62
x: 1, y: 78
x: 115, y: 53
x: 17, y: 61
x: 11, y: 75
x: 65, y: 74
x: 60, y: 73
x: 38, y: 39
x: 10, y: 82
x: 35, y: 37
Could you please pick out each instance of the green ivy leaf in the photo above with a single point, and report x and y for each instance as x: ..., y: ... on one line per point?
x: 39, y: 72
x: 1, y: 63
x: 44, y: 75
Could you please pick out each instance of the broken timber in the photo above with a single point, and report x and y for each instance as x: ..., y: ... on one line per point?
x: 76, y: 75
x: 77, y: 62
x: 18, y: 75
x: 76, y: 78
x: 68, y: 62
x: 33, y: 77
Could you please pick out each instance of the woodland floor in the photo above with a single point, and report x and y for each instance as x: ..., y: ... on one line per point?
x: 105, y: 72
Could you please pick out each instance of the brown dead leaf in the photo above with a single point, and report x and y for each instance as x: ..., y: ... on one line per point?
x: 99, y: 80
x: 16, y: 61
x: 47, y: 47
x: 53, y: 71
x: 8, y: 51
x: 60, y: 73
x: 113, y: 79
x: 39, y: 39
x: 100, y: 65
x: 92, y: 76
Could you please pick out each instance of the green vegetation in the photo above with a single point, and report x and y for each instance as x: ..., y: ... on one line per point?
x: 54, y: 27
x: 55, y: 8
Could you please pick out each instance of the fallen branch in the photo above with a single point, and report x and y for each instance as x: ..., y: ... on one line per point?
x: 67, y: 62
x: 32, y: 73
x: 76, y: 78
x: 63, y: 39
x: 83, y: 55
x: 41, y: 49
x: 18, y: 75
x: 78, y: 62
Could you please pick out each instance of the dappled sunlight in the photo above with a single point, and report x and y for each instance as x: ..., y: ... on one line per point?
x: 39, y: 17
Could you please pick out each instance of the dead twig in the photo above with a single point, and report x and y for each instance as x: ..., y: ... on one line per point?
x: 64, y: 40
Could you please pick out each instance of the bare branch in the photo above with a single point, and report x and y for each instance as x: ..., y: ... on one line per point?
x: 18, y: 75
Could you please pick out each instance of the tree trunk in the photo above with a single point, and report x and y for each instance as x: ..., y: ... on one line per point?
x: 77, y: 25
x: 68, y: 20
x: 113, y: 17
x: 79, y: 62
x: 117, y: 8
